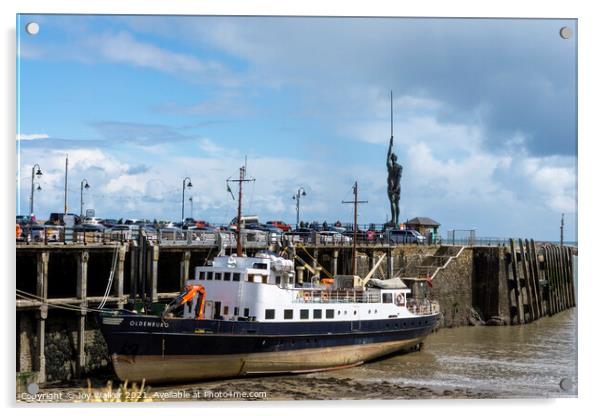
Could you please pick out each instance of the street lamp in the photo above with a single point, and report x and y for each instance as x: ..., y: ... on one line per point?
x: 190, y: 199
x: 300, y: 192
x: 184, y: 185
x: 83, y: 185
x: 34, y: 173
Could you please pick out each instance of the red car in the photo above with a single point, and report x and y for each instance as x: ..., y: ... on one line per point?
x: 280, y: 224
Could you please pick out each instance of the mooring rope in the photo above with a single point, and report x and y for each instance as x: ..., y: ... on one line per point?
x: 58, y: 305
x: 111, y: 275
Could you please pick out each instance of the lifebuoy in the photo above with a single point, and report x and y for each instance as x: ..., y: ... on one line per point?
x: 324, y: 296
x: 399, y: 299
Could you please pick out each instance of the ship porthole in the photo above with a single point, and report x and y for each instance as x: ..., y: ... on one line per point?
x: 369, y: 311
x: 355, y: 312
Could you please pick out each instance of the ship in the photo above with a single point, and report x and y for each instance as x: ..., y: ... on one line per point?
x: 248, y: 315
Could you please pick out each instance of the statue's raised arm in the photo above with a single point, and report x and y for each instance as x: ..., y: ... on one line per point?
x: 389, y: 161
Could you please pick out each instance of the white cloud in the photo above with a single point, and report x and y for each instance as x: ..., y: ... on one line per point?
x: 35, y: 136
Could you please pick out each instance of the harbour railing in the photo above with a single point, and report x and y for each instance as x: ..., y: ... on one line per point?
x: 423, y: 306
x: 336, y: 296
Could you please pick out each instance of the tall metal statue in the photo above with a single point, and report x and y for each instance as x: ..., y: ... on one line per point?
x: 394, y: 170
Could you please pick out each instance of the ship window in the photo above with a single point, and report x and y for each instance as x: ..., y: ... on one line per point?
x: 264, y: 279
x: 270, y: 314
x: 250, y: 277
x: 218, y: 276
x: 261, y: 266
x: 226, y: 310
x: 236, y: 311
x: 355, y: 312
x: 387, y: 298
x: 236, y: 277
x: 317, y: 313
x: 201, y: 275
x: 288, y: 314
x: 329, y: 313
x: 278, y: 279
x: 209, y: 275
x: 227, y: 276
x: 246, y: 312
x: 304, y: 313
x: 338, y: 312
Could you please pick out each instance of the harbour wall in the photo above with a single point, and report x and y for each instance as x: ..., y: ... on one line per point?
x: 58, y: 287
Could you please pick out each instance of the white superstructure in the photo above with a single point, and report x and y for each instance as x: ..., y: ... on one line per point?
x: 262, y: 288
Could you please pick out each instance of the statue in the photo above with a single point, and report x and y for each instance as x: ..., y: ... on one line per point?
x: 394, y: 170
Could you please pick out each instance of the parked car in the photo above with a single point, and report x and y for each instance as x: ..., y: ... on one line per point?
x: 34, y: 233
x: 109, y: 223
x: 122, y: 232
x: 333, y: 237
x: 405, y: 236
x: 89, y: 232
x: 92, y: 220
x: 56, y: 218
x: 279, y: 224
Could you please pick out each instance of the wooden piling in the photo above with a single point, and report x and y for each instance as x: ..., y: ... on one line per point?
x: 529, y: 264
x: 556, y: 276
x: 118, y: 285
x: 548, y: 277
x: 571, y: 282
x: 536, y: 274
x: 82, y: 294
x: 520, y: 317
x: 564, y: 292
x: 562, y: 262
x: 526, y: 278
x: 42, y: 292
x: 509, y: 281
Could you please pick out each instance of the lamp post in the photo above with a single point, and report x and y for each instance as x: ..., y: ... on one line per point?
x: 300, y: 192
x: 34, y: 173
x: 184, y: 185
x: 83, y: 185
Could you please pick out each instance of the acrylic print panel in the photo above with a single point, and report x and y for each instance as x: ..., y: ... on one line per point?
x: 390, y: 199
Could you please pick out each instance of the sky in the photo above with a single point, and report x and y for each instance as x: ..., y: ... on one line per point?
x: 484, y: 118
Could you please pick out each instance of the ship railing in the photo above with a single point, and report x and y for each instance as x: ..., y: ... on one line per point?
x: 423, y: 306
x: 336, y: 296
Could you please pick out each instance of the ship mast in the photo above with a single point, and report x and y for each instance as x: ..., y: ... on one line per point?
x: 355, y: 202
x: 242, y: 178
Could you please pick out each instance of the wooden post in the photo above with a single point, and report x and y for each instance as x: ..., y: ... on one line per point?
x: 549, y: 278
x: 335, y: 262
x: 120, y: 273
x: 509, y: 282
x: 570, y: 277
x: 82, y: 293
x: 555, y: 276
x: 154, y: 272
x: 517, y: 288
x: 562, y: 277
x: 42, y: 292
x: 184, y: 268
x: 133, y: 271
x: 535, y: 267
x: 526, y: 278
x: 532, y: 279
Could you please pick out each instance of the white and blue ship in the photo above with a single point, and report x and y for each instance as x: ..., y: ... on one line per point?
x: 247, y: 315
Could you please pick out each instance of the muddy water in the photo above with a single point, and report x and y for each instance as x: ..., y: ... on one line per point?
x: 512, y: 361
x: 526, y: 361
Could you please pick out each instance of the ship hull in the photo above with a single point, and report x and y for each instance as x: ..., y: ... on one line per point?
x: 181, y: 350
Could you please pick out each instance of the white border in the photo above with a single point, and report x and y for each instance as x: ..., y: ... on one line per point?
x: 589, y: 160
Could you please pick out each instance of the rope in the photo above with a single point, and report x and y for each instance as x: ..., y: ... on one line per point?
x: 66, y: 306
x: 111, y: 275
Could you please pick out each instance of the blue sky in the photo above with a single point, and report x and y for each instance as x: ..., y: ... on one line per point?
x: 484, y: 116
